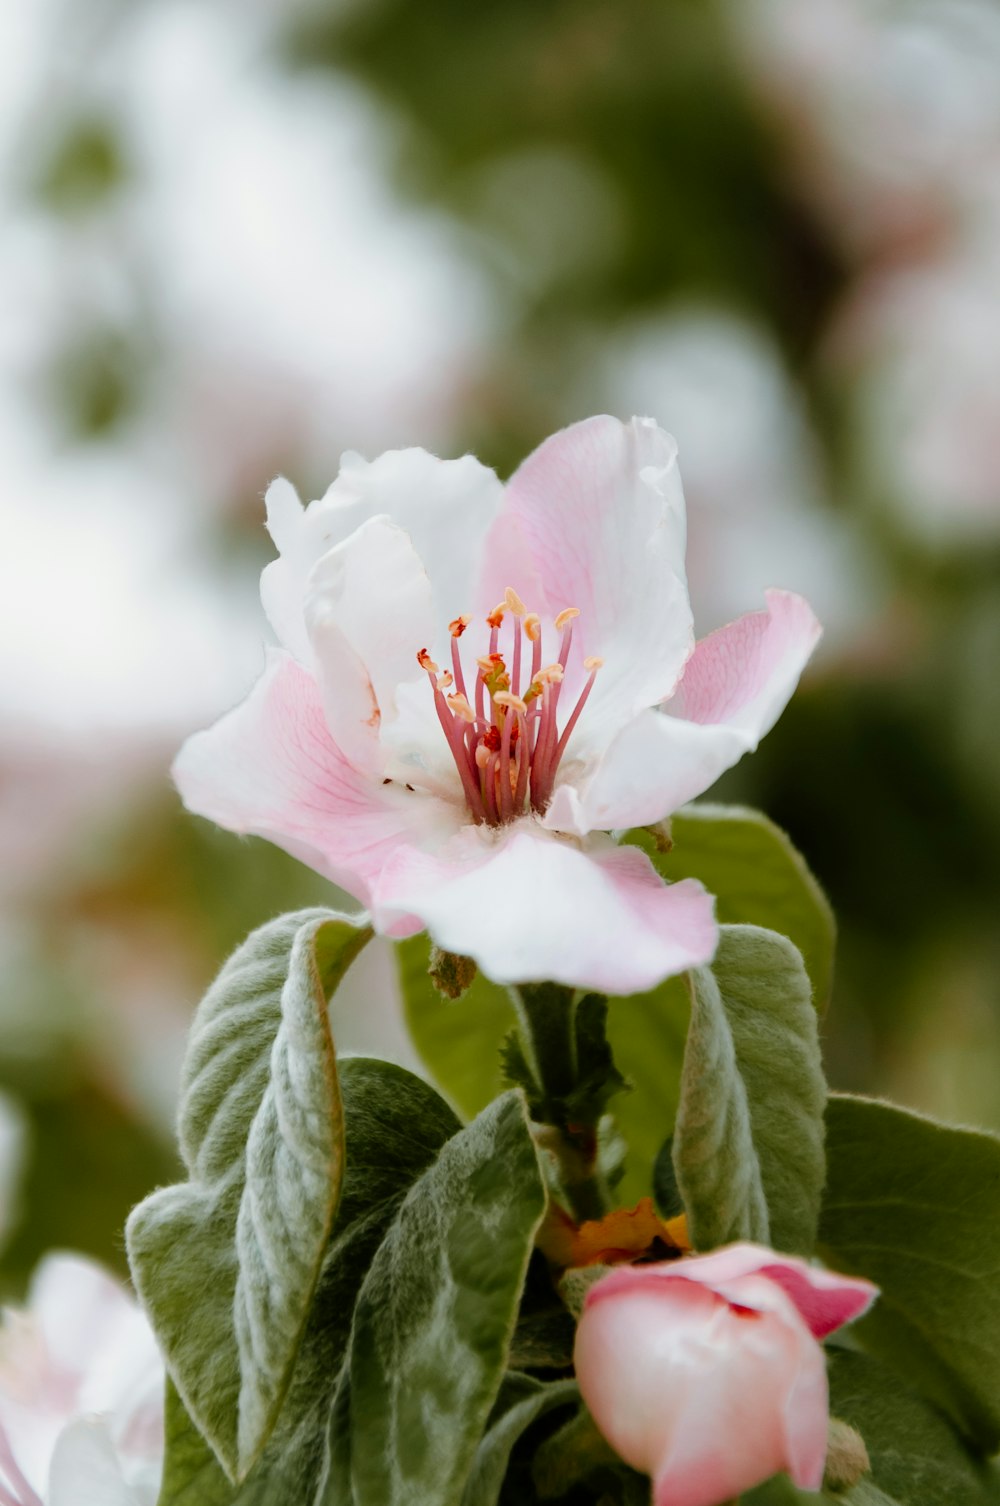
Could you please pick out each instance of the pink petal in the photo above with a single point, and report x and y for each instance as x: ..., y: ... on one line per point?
x: 734, y: 687
x: 825, y: 1299
x: 708, y: 1398
x: 596, y: 514
x: 528, y: 906
x: 270, y: 768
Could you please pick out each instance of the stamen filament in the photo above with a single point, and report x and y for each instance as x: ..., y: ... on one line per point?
x: 507, y: 750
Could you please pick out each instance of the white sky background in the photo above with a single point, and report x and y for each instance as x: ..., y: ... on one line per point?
x: 289, y: 292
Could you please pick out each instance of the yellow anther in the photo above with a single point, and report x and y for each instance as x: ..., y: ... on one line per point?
x: 507, y: 698
x: 460, y: 705
x: 458, y: 627
x: 533, y: 626
x: 426, y: 662
x: 551, y: 675
x: 514, y: 602
x: 497, y: 615
x: 445, y: 680
x: 482, y: 756
x: 593, y: 662
x: 566, y: 615
x: 485, y: 664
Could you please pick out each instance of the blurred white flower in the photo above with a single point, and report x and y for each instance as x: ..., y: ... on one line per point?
x: 752, y: 469
x: 81, y: 1394
x: 892, y: 111
x: 920, y: 347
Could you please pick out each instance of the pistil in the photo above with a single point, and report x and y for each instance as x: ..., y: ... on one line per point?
x: 507, y: 748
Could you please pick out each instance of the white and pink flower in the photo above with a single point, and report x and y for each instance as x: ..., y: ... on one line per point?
x: 478, y: 684
x: 706, y: 1373
x: 81, y: 1394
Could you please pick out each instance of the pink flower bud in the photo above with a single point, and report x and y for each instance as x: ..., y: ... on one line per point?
x: 705, y: 1372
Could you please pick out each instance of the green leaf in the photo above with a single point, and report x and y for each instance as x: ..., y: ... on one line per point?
x: 917, y: 1458
x: 915, y: 1206
x: 492, y: 1457
x: 394, y: 1125
x: 748, y: 1145
x: 781, y: 1492
x: 647, y: 1034
x: 916, y: 1455
x: 459, y: 1041
x: 434, y: 1319
x: 665, y: 1189
x: 227, y: 1262
x: 756, y: 875
x: 462, y: 1043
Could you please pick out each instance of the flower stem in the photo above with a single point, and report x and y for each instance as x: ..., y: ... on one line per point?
x: 547, y: 1017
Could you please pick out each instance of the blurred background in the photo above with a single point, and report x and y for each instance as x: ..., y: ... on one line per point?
x: 238, y: 238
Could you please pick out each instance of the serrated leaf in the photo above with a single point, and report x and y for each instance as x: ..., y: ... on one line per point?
x: 748, y: 1144
x: 226, y: 1263
x: 915, y: 1206
x: 434, y: 1319
x: 757, y: 876
x: 395, y: 1124
x: 492, y: 1457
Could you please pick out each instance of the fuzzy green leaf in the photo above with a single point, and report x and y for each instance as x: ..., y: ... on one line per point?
x: 748, y: 1145
x: 757, y: 876
x: 434, y: 1319
x: 395, y: 1125
x: 493, y: 1454
x: 915, y: 1206
x: 227, y: 1262
x: 916, y: 1455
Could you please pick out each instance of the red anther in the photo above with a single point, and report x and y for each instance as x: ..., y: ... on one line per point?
x: 426, y: 662
x: 458, y: 626
x: 496, y: 617
x: 491, y: 737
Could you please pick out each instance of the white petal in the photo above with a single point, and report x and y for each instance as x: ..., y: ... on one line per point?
x: 528, y: 906
x: 86, y: 1470
x: 372, y: 592
x: 734, y: 688
x: 446, y: 507
x: 375, y: 587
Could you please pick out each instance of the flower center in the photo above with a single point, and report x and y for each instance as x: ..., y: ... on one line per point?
x: 506, y: 740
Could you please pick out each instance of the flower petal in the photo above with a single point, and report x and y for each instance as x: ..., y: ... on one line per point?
x: 825, y: 1299
x: 734, y: 687
x: 373, y: 592
x: 597, y: 513
x: 86, y: 1470
x: 446, y: 507
x: 668, y: 1368
x: 270, y: 768
x: 528, y: 906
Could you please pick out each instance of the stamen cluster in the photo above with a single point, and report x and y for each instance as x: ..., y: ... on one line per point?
x: 506, y: 742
